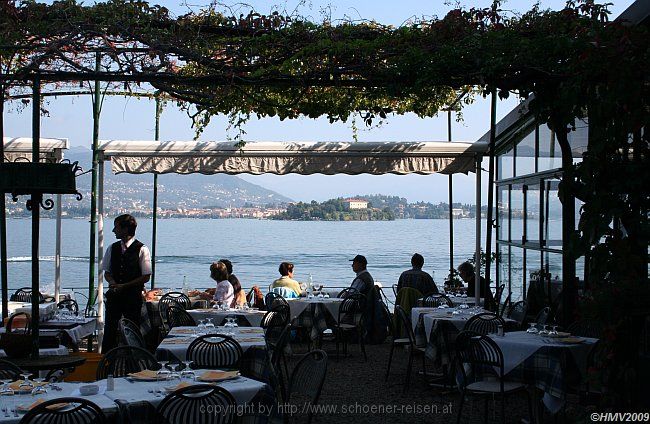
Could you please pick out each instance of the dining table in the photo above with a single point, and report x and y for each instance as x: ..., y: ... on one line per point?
x: 251, y: 315
x: 180, y: 338
x: 315, y: 313
x: 127, y: 391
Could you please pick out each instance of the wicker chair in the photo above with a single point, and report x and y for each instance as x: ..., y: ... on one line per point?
x: 273, y: 301
x: 435, y: 300
x: 201, y: 403
x: 482, y: 357
x: 350, y: 320
x: 307, y: 380
x: 69, y: 304
x: 130, y: 334
x: 278, y: 358
x: 484, y: 323
x: 178, y: 317
x: 24, y: 294
x: 214, y: 351
x: 347, y: 292
x: 123, y: 360
x: 503, y: 307
x: 9, y: 370
x: 498, y: 293
x: 405, y: 322
x: 273, y: 324
x: 517, y: 311
x: 78, y: 411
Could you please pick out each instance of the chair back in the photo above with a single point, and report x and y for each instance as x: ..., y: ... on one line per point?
x: 178, y: 317
x: 403, y: 324
x: 498, y: 293
x: 503, y: 307
x: 351, y: 309
x: 24, y: 294
x: 435, y: 300
x: 69, y: 304
x: 130, y: 334
x: 346, y: 292
x: 250, y: 297
x: 543, y: 316
x: 273, y: 300
x: 481, y: 353
x: 180, y: 298
x: 123, y: 360
x: 407, y: 298
x: 484, y: 323
x: 308, y: 376
x: 77, y: 411
x: 200, y: 404
x: 213, y: 351
x: 517, y: 311
x: 9, y: 370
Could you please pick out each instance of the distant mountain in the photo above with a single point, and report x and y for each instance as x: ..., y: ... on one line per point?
x: 175, y: 192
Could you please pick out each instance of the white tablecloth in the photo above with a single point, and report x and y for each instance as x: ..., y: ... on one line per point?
x: 84, y: 328
x: 254, y: 317
x: 430, y: 315
x: 61, y: 350
x: 45, y: 310
x: 179, y: 339
x: 298, y: 305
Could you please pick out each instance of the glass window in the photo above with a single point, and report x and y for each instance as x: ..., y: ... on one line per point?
x: 550, y: 155
x: 517, y: 213
x: 517, y: 272
x: 506, y: 163
x: 578, y: 140
x: 503, y: 213
x: 552, y: 225
x: 525, y: 161
x: 532, y: 214
x: 503, y: 267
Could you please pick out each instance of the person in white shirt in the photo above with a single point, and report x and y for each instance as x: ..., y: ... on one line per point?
x: 127, y: 268
x: 224, y: 292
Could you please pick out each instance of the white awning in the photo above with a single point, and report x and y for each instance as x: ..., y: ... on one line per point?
x: 186, y: 157
x: 20, y: 148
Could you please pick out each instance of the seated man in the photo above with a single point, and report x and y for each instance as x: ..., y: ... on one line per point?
x: 363, y: 282
x: 286, y: 280
x: 416, y: 278
x: 466, y: 272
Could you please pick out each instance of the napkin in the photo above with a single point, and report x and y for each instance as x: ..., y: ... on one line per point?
x: 181, y: 385
x: 25, y: 408
x: 250, y: 339
x: 15, y: 385
x: 251, y: 330
x: 216, y: 375
x: 176, y: 341
x: 144, y: 375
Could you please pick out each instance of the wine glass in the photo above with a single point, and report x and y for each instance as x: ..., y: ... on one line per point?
x: 209, y: 326
x: 187, y: 371
x: 234, y: 322
x: 533, y: 328
x: 544, y: 330
x: 39, y: 387
x: 553, y: 332
x: 163, y: 372
x: 201, y: 326
x: 25, y: 384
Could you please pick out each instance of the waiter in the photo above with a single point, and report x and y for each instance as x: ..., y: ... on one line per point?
x: 127, y: 268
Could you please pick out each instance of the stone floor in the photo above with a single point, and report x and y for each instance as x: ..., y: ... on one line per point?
x: 355, y: 392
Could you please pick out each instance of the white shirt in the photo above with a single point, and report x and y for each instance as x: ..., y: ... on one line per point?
x: 224, y: 292
x: 144, y: 258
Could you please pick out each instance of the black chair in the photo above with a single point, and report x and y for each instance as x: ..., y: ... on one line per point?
x: 543, y: 316
x: 201, y: 404
x: 181, y: 299
x: 405, y: 322
x: 250, y: 297
x: 435, y: 300
x: 394, y: 287
x: 178, y: 317
x: 307, y: 380
x: 24, y: 294
x: 503, y: 307
x: 517, y: 311
x: 586, y: 329
x: 498, y: 293
x: 279, y: 359
x: 346, y: 292
x: 484, y: 375
x: 273, y: 323
x: 77, y: 411
x: 130, y: 334
x: 396, y: 340
x: 484, y: 323
x: 123, y: 360
x: 9, y: 370
x: 214, y: 351
x: 350, y: 320
x: 274, y: 300
x: 69, y: 304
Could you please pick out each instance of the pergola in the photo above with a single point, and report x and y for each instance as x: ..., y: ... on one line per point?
x: 281, y: 158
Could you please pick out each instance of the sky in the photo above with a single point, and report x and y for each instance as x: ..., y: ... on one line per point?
x: 133, y: 119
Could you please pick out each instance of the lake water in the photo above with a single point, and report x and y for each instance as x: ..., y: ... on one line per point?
x: 187, y: 247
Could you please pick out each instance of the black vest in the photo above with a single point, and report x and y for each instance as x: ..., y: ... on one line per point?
x: 126, y: 267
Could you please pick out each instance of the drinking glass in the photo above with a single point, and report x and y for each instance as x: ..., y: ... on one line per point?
x: 533, y: 328
x: 187, y: 371
x: 553, y: 331
x: 544, y: 330
x: 6, y: 389
x: 26, y: 384
x: 234, y: 322
x: 201, y: 326
x: 209, y: 326
x: 39, y: 387
x: 163, y: 372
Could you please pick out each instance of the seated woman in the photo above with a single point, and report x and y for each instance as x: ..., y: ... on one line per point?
x: 286, y: 280
x: 224, y: 292
x: 239, y: 297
